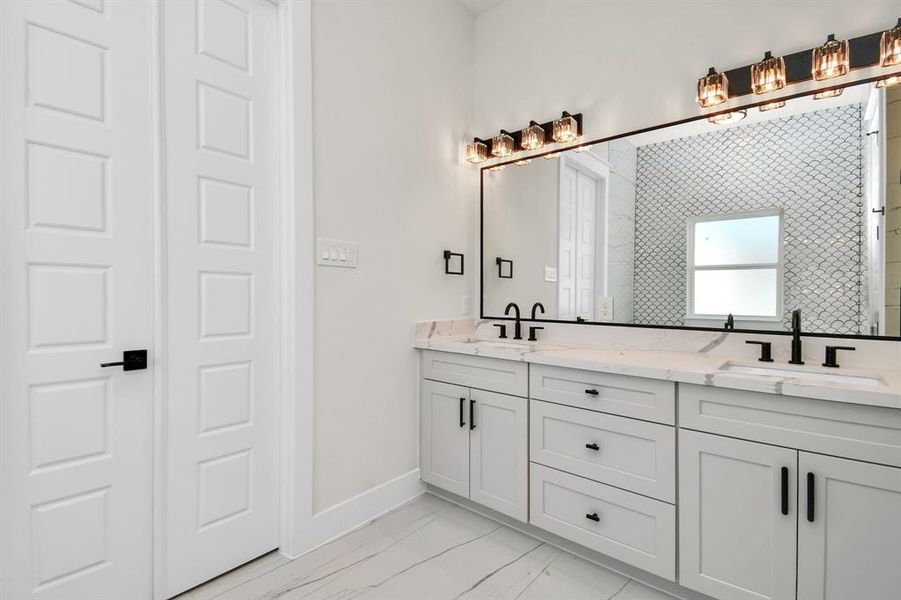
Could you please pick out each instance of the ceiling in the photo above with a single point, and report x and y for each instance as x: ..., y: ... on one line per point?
x: 477, y: 7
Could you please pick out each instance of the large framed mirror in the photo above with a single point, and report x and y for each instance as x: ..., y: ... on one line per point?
x: 795, y: 207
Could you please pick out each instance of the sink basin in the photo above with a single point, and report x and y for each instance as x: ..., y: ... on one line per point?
x: 812, y: 375
x: 510, y: 345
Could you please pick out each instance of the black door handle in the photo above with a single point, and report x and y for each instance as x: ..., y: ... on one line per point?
x: 784, y: 490
x: 591, y: 392
x: 132, y: 360
x: 593, y: 517
x: 811, y: 491
x: 462, y: 404
x: 472, y: 421
x: 592, y: 446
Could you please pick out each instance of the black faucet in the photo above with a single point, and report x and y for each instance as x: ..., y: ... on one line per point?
x: 536, y: 306
x: 797, y: 357
x: 517, y: 332
x: 730, y: 323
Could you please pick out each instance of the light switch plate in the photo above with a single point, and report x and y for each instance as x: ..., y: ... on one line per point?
x: 335, y: 253
x: 550, y: 274
x: 605, y: 308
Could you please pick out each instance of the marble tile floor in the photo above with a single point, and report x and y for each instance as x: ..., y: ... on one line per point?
x: 426, y: 549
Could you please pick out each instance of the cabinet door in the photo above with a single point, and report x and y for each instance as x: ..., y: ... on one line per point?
x: 849, y: 531
x: 499, y: 453
x: 444, y: 431
x: 735, y: 542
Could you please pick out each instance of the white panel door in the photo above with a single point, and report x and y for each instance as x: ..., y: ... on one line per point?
x: 444, y: 436
x: 76, y: 277
x: 566, y: 271
x: 586, y: 244
x: 221, y: 111
x: 735, y: 542
x: 849, y: 536
x: 499, y: 453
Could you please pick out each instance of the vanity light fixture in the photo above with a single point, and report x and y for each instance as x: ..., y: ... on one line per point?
x: 729, y: 117
x: 477, y: 151
x: 713, y: 89
x: 502, y: 144
x: 828, y: 94
x: 831, y: 59
x: 768, y: 75
x: 771, y: 105
x: 566, y: 129
x: 532, y: 137
x: 889, y: 81
x: 890, y: 46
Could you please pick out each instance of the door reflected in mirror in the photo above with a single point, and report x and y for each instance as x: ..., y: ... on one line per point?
x: 793, y: 208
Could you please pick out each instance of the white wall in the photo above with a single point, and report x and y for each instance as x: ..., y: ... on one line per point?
x: 392, y: 93
x: 628, y: 65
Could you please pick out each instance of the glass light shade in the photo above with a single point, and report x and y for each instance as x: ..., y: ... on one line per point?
x: 831, y: 59
x: 713, y: 89
x: 502, y: 145
x: 768, y: 75
x: 476, y: 152
x: 890, y: 46
x: 828, y: 94
x: 532, y: 137
x: 771, y: 105
x: 565, y: 129
x: 888, y: 82
x: 730, y: 117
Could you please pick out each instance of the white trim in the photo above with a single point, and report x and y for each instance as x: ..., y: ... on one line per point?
x: 342, y: 518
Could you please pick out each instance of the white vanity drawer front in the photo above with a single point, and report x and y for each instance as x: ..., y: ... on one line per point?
x: 869, y: 433
x: 638, y: 397
x: 631, y: 528
x: 492, y: 374
x: 634, y: 455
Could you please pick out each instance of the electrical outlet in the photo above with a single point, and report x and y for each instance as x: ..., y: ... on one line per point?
x: 605, y: 308
x: 465, y: 305
x: 335, y: 253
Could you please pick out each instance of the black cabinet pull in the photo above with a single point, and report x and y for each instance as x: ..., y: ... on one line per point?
x: 593, y: 517
x: 784, y: 490
x: 591, y: 392
x: 132, y: 360
x: 593, y: 446
x: 462, y: 404
x: 472, y: 421
x: 811, y: 490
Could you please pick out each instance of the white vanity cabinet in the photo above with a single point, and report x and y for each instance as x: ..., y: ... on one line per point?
x: 474, y: 442
x: 782, y: 520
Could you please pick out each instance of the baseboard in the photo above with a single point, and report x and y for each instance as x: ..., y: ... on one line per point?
x: 356, y: 512
x: 612, y: 564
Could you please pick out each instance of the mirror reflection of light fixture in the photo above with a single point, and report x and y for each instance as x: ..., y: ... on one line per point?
x: 497, y: 168
x: 552, y: 155
x: 768, y: 75
x: 565, y: 128
x: 713, y: 89
x: 828, y: 94
x: 524, y: 161
x: 831, y: 59
x: 889, y: 81
x: 502, y: 144
x: 477, y: 151
x: 771, y: 105
x: 532, y: 137
x: 729, y: 117
x: 890, y: 46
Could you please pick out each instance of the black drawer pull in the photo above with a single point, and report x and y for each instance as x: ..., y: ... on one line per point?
x: 593, y: 517
x: 811, y: 491
x: 472, y: 419
x: 591, y: 392
x: 784, y: 490
x: 462, y: 404
x: 593, y: 446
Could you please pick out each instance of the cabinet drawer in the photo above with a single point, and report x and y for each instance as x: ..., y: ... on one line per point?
x: 634, y: 455
x: 870, y: 433
x: 638, y: 397
x: 631, y: 528
x: 492, y: 374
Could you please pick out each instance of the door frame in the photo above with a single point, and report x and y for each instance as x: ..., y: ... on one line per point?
x: 295, y: 250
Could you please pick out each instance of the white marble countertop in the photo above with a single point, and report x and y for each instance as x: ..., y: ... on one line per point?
x: 695, y: 367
